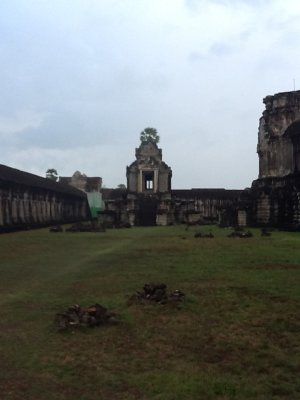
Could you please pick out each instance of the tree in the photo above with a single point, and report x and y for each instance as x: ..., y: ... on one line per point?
x: 52, y: 174
x: 149, y: 135
x: 121, y: 186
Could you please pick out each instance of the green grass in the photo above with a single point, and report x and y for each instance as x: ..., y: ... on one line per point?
x: 236, y: 336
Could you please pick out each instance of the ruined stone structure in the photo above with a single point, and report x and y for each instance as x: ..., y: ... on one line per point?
x: 89, y: 185
x: 149, y: 187
x: 148, y: 174
x: 274, y: 198
x: 82, y: 182
x: 275, y: 195
x: 150, y: 199
x: 28, y: 200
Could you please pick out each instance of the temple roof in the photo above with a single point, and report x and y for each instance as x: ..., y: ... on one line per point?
x: 8, y: 174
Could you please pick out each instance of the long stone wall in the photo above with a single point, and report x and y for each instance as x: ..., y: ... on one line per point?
x: 27, y: 201
x: 176, y: 207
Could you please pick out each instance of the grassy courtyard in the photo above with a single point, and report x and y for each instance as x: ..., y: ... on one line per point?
x: 236, y: 335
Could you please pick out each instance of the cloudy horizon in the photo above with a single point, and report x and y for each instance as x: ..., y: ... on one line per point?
x: 81, y: 79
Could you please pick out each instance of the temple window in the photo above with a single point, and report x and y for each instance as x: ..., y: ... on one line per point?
x: 149, y: 181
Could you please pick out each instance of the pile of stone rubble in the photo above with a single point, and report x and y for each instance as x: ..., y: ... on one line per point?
x: 204, y: 235
x: 156, y: 293
x: 240, y: 234
x: 76, y: 316
x: 92, y: 226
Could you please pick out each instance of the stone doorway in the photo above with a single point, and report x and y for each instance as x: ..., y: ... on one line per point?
x: 147, y: 210
x: 293, y: 132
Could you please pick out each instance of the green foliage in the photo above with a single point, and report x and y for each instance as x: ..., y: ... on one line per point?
x: 149, y: 135
x: 51, y: 173
x: 236, y: 336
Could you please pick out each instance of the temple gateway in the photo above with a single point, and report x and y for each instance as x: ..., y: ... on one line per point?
x: 150, y: 200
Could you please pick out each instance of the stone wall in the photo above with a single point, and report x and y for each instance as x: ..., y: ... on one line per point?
x: 176, y: 207
x: 27, y: 200
x: 206, y: 205
x: 276, y: 202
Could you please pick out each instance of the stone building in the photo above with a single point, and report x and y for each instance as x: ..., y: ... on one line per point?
x: 275, y: 195
x: 82, y: 182
x: 89, y: 185
x: 28, y: 200
x: 149, y: 187
x: 274, y: 199
x: 150, y: 200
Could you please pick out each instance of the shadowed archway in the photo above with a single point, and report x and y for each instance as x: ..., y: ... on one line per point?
x: 293, y: 131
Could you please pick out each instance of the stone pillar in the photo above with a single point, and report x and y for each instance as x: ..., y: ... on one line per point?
x: 140, y: 181
x: 242, y: 218
x: 155, y: 183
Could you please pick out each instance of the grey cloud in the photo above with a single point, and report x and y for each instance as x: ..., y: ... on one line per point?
x: 100, y: 71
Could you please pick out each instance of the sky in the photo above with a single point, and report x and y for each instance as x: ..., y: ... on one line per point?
x: 80, y: 79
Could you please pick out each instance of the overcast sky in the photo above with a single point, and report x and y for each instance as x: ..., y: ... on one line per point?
x: 80, y: 79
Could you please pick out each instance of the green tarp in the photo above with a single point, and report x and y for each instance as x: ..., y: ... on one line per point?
x: 95, y: 203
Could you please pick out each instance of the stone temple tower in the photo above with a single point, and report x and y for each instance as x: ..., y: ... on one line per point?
x: 149, y: 186
x: 276, y: 192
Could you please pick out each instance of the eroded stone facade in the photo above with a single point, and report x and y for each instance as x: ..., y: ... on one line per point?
x: 275, y: 195
x: 148, y: 173
x: 279, y: 136
x: 149, y: 187
x: 82, y: 182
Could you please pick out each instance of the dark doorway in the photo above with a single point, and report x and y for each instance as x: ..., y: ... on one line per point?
x: 147, y: 210
x: 296, y: 143
x: 293, y: 132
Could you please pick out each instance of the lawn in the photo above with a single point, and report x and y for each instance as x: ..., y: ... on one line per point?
x: 236, y: 335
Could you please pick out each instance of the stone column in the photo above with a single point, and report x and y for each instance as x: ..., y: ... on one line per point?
x: 155, y: 183
x: 140, y: 181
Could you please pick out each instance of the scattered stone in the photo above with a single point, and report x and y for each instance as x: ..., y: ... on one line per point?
x: 76, y: 316
x: 156, y: 293
x: 203, y: 235
x: 246, y: 234
x: 93, y: 226
x: 177, y: 295
x: 56, y: 228
x: 240, y: 234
